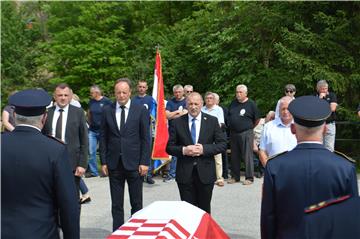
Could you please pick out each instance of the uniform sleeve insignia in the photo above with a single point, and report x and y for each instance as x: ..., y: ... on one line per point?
x: 345, y: 156
x: 56, y: 139
x: 317, y: 207
x: 274, y: 156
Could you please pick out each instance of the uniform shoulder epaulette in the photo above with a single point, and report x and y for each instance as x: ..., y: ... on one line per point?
x: 274, y: 156
x: 317, y: 207
x: 56, y: 139
x: 345, y: 156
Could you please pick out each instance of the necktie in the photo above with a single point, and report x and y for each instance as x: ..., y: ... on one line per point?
x: 193, y: 131
x: 58, y: 129
x: 122, y: 117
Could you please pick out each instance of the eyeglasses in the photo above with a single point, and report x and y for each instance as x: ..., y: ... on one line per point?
x: 289, y: 91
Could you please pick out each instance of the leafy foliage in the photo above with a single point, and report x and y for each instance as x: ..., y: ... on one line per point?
x: 211, y: 45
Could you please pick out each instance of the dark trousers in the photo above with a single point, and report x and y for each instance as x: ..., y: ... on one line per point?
x: 117, y: 179
x: 77, y: 186
x: 196, y: 193
x: 242, y: 149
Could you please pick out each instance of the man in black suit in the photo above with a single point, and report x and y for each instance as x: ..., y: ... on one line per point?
x: 124, y: 149
x: 36, y: 176
x: 67, y: 123
x: 195, y: 138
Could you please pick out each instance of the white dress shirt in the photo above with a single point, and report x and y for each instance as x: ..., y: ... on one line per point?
x: 64, y: 120
x: 197, y: 124
x: 118, y: 112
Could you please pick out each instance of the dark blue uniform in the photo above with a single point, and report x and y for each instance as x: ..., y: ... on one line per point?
x: 304, y: 176
x: 36, y: 180
x: 334, y: 219
x: 36, y: 184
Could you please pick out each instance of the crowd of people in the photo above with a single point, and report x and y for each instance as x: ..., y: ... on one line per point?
x: 292, y: 148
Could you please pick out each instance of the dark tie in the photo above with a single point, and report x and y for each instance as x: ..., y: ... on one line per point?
x: 193, y: 131
x: 122, y: 117
x: 58, y: 129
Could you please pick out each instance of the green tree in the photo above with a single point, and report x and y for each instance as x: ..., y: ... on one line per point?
x: 13, y: 49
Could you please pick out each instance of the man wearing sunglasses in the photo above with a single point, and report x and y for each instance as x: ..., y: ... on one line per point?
x: 188, y: 89
x: 290, y: 90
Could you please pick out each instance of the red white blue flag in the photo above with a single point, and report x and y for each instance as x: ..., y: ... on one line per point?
x: 161, y: 134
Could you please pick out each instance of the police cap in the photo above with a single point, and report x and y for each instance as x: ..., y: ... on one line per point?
x: 30, y: 102
x: 309, y: 111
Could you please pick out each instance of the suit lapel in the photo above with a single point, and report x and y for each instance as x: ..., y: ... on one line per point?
x: 129, y: 117
x: 51, y: 114
x: 203, y: 128
x: 49, y: 120
x: 185, y: 126
x: 68, y: 122
x: 113, y: 116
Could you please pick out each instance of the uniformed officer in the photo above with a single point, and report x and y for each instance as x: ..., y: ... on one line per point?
x: 306, y: 175
x: 37, y: 183
x: 334, y: 219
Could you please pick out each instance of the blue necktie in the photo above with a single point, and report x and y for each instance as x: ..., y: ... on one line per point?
x: 193, y: 131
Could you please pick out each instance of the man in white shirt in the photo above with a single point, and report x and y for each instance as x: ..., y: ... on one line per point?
x: 276, y: 136
x: 213, y: 109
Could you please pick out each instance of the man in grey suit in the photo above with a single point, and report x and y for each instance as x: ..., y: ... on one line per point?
x: 67, y: 123
x: 124, y: 149
x: 195, y: 138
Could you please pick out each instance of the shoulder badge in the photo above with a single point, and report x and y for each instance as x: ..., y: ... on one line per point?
x: 56, y: 139
x: 345, y: 156
x: 317, y: 207
x: 274, y: 156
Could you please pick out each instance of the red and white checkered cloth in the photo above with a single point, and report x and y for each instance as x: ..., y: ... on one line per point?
x: 150, y: 229
x: 182, y: 221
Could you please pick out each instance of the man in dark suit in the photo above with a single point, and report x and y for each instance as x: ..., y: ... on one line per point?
x: 334, y: 219
x: 36, y: 180
x: 124, y: 149
x: 67, y: 123
x: 194, y: 139
x: 306, y: 175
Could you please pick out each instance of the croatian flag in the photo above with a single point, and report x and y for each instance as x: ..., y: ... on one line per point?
x: 161, y: 134
x: 170, y: 220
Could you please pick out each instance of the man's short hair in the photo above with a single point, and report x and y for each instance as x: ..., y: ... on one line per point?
x: 209, y: 93
x: 30, y: 120
x: 96, y: 88
x: 188, y: 87
x: 177, y: 87
x: 63, y: 86
x: 217, y: 97
x: 290, y: 87
x: 242, y: 86
x: 192, y: 94
x: 142, y: 81
x: 285, y: 99
x: 321, y: 83
x: 124, y: 79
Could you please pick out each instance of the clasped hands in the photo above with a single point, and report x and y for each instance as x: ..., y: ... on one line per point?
x: 143, y: 169
x: 193, y: 150
x: 322, y: 95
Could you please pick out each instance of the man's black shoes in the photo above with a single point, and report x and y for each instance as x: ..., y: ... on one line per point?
x: 150, y: 180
